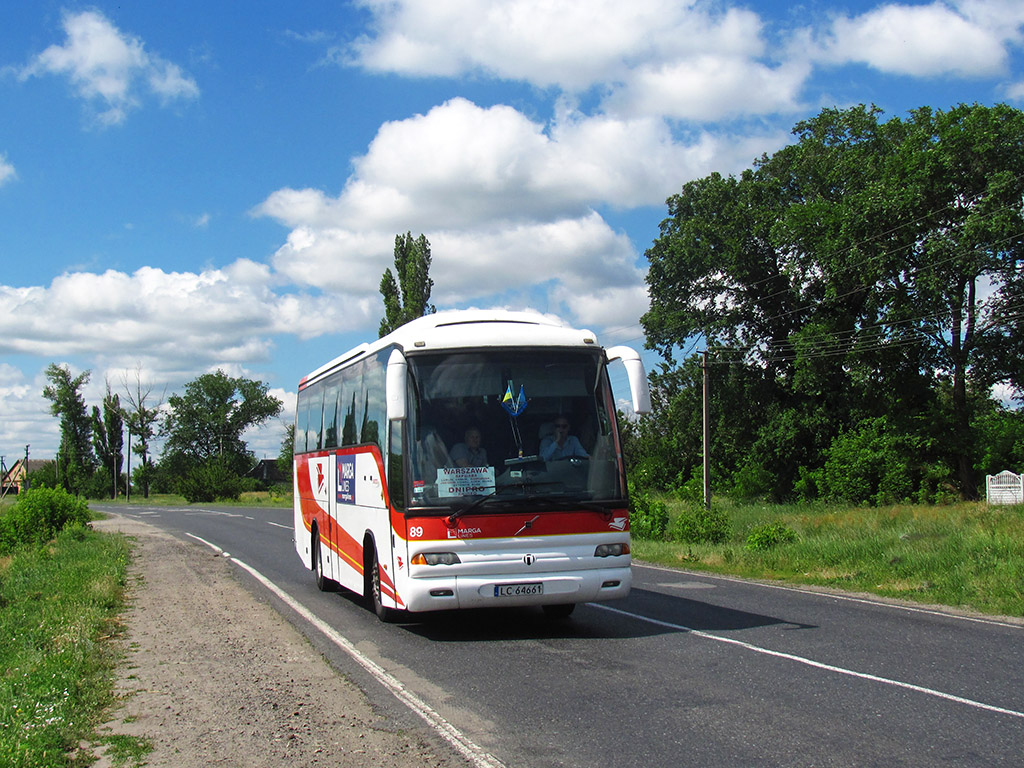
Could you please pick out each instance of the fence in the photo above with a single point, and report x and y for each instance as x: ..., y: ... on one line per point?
x: 1005, y: 488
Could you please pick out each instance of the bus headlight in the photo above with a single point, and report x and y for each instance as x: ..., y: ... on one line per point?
x: 611, y: 550
x: 435, y: 558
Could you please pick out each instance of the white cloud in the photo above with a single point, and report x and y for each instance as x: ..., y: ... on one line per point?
x: 927, y: 40
x: 710, y: 87
x: 571, y: 45
x: 7, y: 172
x: 109, y: 67
x: 507, y: 203
x: 659, y: 58
x: 172, y: 321
x: 1015, y: 91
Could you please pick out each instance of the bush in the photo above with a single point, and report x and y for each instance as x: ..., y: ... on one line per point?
x: 698, y: 525
x: 874, y: 464
x: 768, y: 535
x: 39, y: 515
x: 648, y: 517
x: 210, y: 481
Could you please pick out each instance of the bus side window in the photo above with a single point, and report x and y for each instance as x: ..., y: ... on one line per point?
x: 396, y: 467
x: 331, y: 415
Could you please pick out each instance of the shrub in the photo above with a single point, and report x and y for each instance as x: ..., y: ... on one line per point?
x: 873, y: 463
x: 648, y: 517
x: 768, y: 535
x: 698, y: 525
x: 39, y: 515
x: 210, y: 481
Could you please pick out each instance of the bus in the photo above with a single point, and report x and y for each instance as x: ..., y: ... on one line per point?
x: 431, y: 472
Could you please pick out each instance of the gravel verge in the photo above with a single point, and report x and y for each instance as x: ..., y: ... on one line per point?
x: 212, y: 676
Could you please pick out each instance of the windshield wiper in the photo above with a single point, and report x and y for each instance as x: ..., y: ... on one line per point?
x: 454, y: 516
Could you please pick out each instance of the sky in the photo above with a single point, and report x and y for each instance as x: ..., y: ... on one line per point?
x: 201, y: 185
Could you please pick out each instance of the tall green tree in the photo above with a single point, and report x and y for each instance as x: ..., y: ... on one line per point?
x: 142, y: 417
x: 75, y: 459
x: 872, y: 269
x: 108, y: 440
x: 408, y: 297
x: 205, y: 425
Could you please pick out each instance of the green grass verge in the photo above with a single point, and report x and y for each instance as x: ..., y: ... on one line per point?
x: 247, y: 499
x: 59, y: 607
x: 964, y: 555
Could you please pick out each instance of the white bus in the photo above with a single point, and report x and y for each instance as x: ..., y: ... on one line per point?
x: 468, y: 459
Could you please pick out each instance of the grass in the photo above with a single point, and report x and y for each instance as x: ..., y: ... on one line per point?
x: 968, y: 556
x: 247, y: 499
x: 59, y: 605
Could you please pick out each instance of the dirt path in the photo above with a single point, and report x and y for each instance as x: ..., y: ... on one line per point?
x: 214, y: 677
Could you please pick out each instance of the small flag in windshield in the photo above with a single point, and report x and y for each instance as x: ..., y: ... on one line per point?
x: 514, y: 405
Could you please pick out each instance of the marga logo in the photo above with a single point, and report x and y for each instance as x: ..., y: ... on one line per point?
x: 463, y: 533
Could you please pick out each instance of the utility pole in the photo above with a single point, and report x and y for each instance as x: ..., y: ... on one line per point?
x: 128, y: 473
x: 707, y: 431
x: 26, y: 486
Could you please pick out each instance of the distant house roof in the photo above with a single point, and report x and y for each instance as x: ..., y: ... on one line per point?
x: 14, y: 478
x: 267, y: 471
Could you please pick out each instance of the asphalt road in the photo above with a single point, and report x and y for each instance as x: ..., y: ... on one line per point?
x: 691, y: 669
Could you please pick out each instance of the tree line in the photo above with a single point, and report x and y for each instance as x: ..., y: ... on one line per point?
x: 204, y: 456
x: 859, y: 295
x: 855, y: 301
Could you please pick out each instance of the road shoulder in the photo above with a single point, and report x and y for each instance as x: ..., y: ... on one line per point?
x: 213, y: 676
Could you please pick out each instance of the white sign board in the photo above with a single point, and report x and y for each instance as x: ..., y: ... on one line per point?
x: 465, y: 481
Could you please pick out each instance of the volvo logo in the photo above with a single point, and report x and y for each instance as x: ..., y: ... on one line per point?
x: 529, y: 559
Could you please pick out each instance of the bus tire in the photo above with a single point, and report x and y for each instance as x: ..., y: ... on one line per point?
x: 384, y: 613
x: 323, y: 583
x: 559, y: 611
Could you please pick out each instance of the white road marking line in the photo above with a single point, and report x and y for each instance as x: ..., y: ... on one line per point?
x: 816, y: 664
x: 468, y: 749
x: 278, y: 525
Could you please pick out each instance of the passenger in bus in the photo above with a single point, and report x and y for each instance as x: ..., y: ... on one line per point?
x: 562, y: 445
x: 469, y: 453
x: 430, y: 455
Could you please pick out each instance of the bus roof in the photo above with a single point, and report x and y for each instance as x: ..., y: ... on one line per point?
x: 454, y: 329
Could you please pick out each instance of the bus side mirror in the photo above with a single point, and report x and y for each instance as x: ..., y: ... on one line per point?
x: 397, y: 382
x: 638, y: 386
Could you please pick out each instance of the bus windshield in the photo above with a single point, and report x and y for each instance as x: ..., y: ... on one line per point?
x: 497, y: 426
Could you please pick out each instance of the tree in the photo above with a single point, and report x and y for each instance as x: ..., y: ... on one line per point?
x: 869, y: 270
x: 75, y: 460
x: 204, y: 426
x: 409, y: 297
x: 286, y: 458
x: 142, y: 421
x: 108, y: 440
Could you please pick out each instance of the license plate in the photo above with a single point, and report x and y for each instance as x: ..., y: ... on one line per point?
x: 518, y: 590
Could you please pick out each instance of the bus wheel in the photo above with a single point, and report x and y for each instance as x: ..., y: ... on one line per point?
x: 560, y: 611
x: 323, y: 583
x: 383, y: 613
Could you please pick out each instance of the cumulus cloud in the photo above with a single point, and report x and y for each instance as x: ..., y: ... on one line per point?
x: 507, y: 203
x: 110, y: 68
x: 968, y: 39
x: 170, y: 320
x: 571, y: 45
x: 652, y: 57
x: 7, y: 172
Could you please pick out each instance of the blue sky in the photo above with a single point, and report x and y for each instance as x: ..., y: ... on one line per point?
x: 198, y: 185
